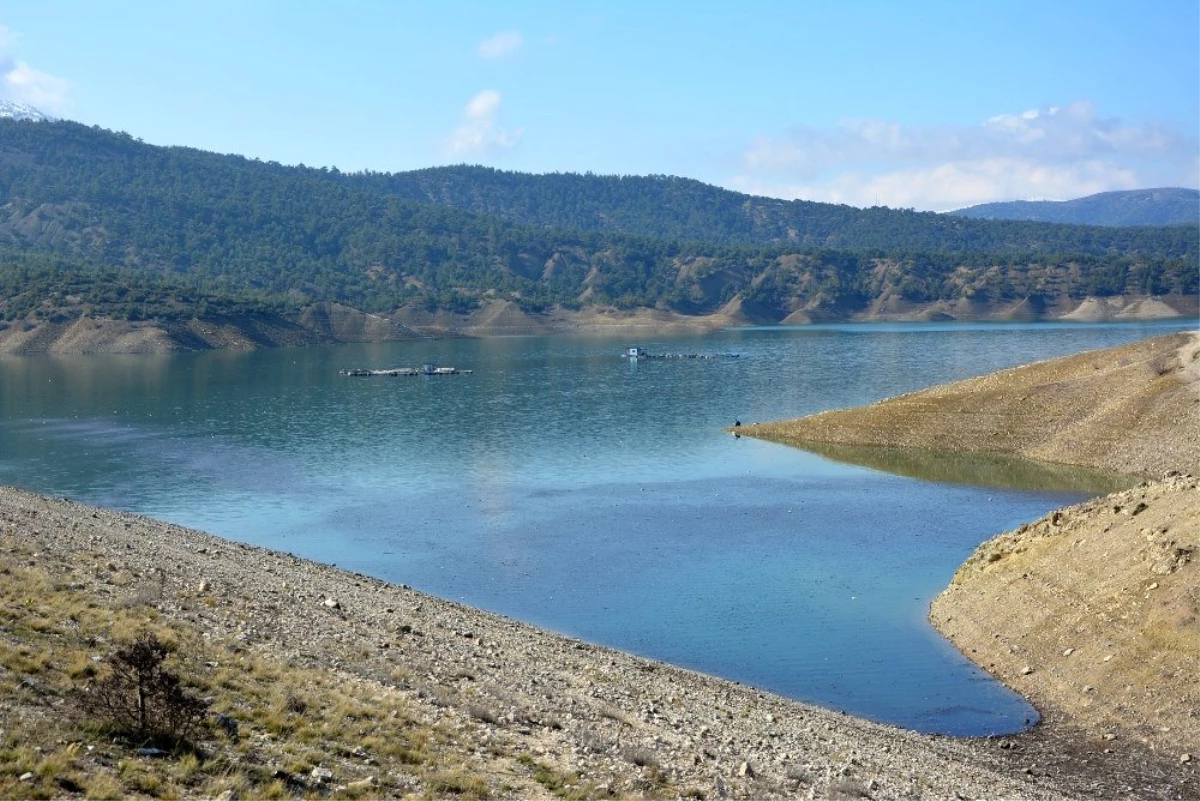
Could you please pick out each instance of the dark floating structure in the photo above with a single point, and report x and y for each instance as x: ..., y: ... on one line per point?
x: 635, y: 354
x: 427, y: 369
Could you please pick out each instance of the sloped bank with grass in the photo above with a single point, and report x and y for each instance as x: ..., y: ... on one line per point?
x: 343, y: 686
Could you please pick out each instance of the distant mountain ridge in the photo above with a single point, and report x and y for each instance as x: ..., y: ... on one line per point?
x: 97, y: 224
x: 1165, y: 206
x: 664, y: 206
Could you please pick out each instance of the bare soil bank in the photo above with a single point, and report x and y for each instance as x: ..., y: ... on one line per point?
x: 1092, y: 613
x: 514, y: 711
x: 328, y: 323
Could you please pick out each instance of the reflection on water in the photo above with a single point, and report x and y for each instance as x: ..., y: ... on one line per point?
x: 980, y: 469
x: 560, y: 485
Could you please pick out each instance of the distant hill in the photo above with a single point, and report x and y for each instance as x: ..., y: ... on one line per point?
x: 1170, y: 206
x: 98, y: 223
x: 669, y: 207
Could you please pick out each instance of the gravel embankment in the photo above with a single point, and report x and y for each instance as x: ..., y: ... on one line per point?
x: 511, y: 686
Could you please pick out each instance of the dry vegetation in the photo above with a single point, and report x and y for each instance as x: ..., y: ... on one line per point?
x: 292, y: 723
x: 326, y: 684
x: 346, y: 686
x: 1092, y: 612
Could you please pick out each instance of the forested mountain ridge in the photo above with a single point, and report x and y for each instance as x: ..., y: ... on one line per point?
x: 1153, y: 207
x: 98, y: 223
x: 663, y: 206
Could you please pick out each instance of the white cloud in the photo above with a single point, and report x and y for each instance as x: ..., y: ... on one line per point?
x: 24, y: 84
x: 480, y: 132
x: 483, y: 107
x: 953, y: 185
x: 8, y: 38
x: 21, y: 83
x: 501, y: 45
x: 1064, y: 152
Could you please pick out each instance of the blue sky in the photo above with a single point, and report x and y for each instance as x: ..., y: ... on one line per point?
x: 931, y: 105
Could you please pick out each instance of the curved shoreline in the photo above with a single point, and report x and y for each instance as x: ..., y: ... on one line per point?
x: 505, y: 686
x: 514, y: 701
x: 1091, y: 612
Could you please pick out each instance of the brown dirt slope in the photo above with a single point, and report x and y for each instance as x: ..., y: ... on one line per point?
x: 1092, y: 613
x: 1133, y: 410
x: 88, y: 335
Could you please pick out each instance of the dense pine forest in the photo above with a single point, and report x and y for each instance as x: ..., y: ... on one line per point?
x: 97, y: 222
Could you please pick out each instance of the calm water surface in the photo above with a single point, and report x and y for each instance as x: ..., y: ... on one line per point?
x: 564, y: 486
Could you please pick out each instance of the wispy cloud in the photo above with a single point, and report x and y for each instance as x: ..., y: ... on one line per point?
x: 21, y: 83
x: 501, y: 45
x: 1062, y: 152
x: 480, y: 132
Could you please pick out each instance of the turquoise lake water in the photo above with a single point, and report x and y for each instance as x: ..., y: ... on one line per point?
x: 565, y: 486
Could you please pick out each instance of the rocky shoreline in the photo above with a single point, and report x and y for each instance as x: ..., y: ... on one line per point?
x: 625, y: 726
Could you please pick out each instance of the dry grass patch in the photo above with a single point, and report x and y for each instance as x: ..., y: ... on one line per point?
x: 62, y: 618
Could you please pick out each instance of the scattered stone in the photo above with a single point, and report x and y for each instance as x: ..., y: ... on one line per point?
x: 26, y: 777
x: 229, y: 724
x: 1068, y: 652
x: 363, y: 784
x: 332, y: 603
x: 228, y: 795
x: 1026, y: 670
x: 321, y: 775
x: 205, y: 586
x: 153, y: 753
x: 745, y: 771
x: 1185, y: 758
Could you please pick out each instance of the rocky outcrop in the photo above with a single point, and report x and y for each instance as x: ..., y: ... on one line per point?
x: 87, y: 335
x: 338, y: 323
x: 503, y: 317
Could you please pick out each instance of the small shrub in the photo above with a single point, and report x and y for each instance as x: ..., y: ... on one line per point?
x: 847, y: 790
x: 481, y: 713
x: 642, y: 757
x: 141, y: 698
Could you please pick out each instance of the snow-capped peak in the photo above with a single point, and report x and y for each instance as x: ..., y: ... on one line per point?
x: 20, y: 111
